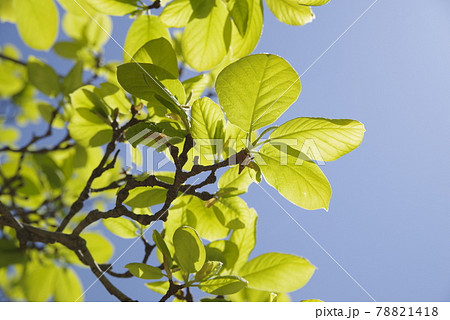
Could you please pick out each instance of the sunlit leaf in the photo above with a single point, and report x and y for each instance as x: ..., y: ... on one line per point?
x: 68, y: 286
x: 223, y: 285
x: 277, y: 272
x: 291, y: 12
x: 144, y: 271
x: 121, y: 227
x: 254, y: 91
x: 189, y: 250
x: 158, y: 52
x: 37, y: 22
x: 43, y: 77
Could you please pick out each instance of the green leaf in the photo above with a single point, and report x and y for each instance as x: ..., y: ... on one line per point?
x: 80, y: 7
x: 90, y: 30
x: 254, y: 91
x: 162, y: 246
x: 295, y: 176
x: 160, y: 287
x: 189, y: 250
x: 327, y: 139
x: 192, y: 211
x: 121, y: 227
x: 144, y: 271
x: 223, y: 285
x: 68, y: 49
x: 239, y: 13
x: 252, y: 295
x: 291, y: 12
x: 242, y: 46
x: 153, y: 84
x: 144, y: 197
x: 224, y: 251
x: 74, y: 79
x: 195, y: 86
x: 177, y: 13
x: 114, y: 97
x: 209, y: 269
x: 10, y: 253
x: 158, y: 52
x: 101, y: 249
x: 68, y: 286
x: 232, y: 212
x: 12, y: 75
x: 245, y: 240
x: 311, y: 300
x: 37, y: 22
x: 38, y: 280
x: 43, y: 77
x: 207, y: 36
x: 114, y: 7
x: 277, y: 272
x: 232, y: 183
x: 143, y: 29
x: 312, y: 2
x: 89, y: 122
x: 7, y: 11
x: 207, y: 129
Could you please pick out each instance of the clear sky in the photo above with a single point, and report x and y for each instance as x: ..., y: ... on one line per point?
x: 389, y: 221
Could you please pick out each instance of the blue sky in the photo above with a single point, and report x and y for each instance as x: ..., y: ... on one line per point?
x: 388, y: 223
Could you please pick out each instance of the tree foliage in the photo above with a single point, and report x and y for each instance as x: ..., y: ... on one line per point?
x: 57, y: 185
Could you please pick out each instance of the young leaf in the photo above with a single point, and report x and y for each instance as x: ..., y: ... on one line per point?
x: 232, y: 183
x: 232, y: 212
x: 37, y: 22
x: 207, y: 129
x: 245, y: 240
x: 177, y: 13
x: 295, y: 176
x: 243, y: 45
x: 223, y: 285
x: 189, y: 250
x: 43, y: 77
x: 74, y: 79
x: 224, y: 251
x: 121, y: 227
x: 277, y: 272
x: 144, y: 271
x: 252, y: 295
x: 209, y: 269
x: 10, y: 253
x: 153, y: 84
x: 114, y: 7
x: 254, y: 91
x: 68, y: 286
x: 291, y: 11
x: 144, y: 197
x: 195, y: 86
x: 114, y: 97
x: 162, y: 246
x: 38, y: 280
x: 143, y: 29
x: 102, y: 250
x: 312, y: 2
x: 330, y: 138
x: 160, y: 287
x: 239, y: 12
x: 158, y: 52
x: 206, y: 37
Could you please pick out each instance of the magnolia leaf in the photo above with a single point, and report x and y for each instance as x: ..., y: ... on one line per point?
x: 121, y: 227
x: 144, y: 271
x: 245, y: 240
x: 114, y: 7
x: 254, y: 91
x: 207, y: 36
x: 68, y: 286
x: 43, y: 77
x: 177, y: 13
x: 223, y: 285
x: 37, y: 22
x: 277, y: 272
x: 101, y: 249
x: 158, y: 52
x: 292, y: 12
x: 143, y: 29
x: 319, y: 138
x: 295, y: 176
x: 189, y: 250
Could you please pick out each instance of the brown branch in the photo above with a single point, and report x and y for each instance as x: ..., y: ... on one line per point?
x: 2, y: 56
